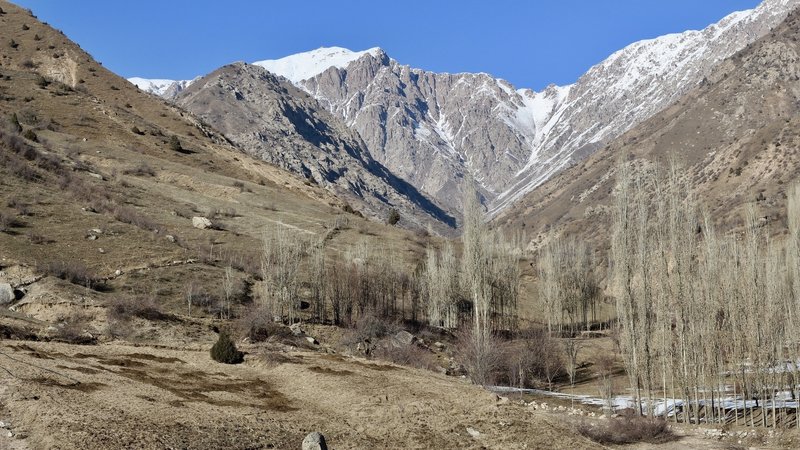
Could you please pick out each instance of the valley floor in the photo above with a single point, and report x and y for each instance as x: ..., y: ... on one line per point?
x: 121, y: 396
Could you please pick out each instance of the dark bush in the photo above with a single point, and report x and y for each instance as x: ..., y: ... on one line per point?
x: 175, y: 144
x: 144, y: 307
x: 30, y: 135
x: 73, y: 271
x: 73, y: 331
x: 225, y: 351
x: 141, y: 170
x: 258, y: 326
x: 394, y: 217
x: 628, y: 429
x: 14, y: 125
x: 8, y: 221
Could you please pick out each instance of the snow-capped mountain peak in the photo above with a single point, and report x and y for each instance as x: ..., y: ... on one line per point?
x: 163, y: 88
x: 302, y: 66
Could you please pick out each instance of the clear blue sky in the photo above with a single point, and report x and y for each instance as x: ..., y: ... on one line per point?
x: 530, y: 43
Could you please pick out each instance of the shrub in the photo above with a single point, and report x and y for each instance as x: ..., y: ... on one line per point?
x: 394, y: 217
x: 535, y: 361
x: 175, y: 144
x: 482, y: 358
x: 257, y: 325
x: 42, y: 82
x: 14, y: 125
x: 408, y: 355
x: 8, y: 221
x: 72, y: 331
x: 141, y: 170
x: 30, y: 135
x: 628, y: 429
x: 73, y: 271
x: 144, y: 307
x: 225, y: 351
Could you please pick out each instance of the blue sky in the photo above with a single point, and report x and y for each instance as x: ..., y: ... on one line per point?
x: 530, y: 43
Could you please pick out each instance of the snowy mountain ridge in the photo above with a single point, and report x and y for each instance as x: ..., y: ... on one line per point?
x: 437, y: 129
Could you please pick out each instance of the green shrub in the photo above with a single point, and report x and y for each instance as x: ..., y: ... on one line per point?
x: 225, y: 351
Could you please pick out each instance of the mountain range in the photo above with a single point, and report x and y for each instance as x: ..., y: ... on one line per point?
x: 441, y: 132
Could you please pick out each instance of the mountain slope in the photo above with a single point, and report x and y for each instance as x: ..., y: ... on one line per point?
x: 437, y: 130
x: 735, y: 136
x: 273, y: 120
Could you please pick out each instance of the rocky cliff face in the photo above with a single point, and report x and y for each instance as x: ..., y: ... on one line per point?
x: 275, y: 121
x: 441, y: 132
x: 437, y: 129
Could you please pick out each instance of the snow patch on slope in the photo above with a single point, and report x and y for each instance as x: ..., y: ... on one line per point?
x: 303, y: 66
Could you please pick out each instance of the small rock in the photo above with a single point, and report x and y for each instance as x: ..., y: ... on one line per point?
x: 315, y: 441
x: 117, y: 272
x: 101, y: 250
x: 6, y: 294
x: 311, y: 340
x: 473, y: 432
x: 96, y: 175
x: 501, y: 400
x: 296, y: 330
x: 4, y: 424
x: 438, y: 345
x: 170, y: 238
x: 92, y: 237
x: 201, y: 223
x: 96, y: 231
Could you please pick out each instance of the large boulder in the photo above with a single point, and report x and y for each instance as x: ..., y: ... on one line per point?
x: 6, y: 294
x: 201, y: 223
x: 403, y: 338
x: 315, y: 441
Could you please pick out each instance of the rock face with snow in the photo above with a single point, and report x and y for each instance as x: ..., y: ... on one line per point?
x: 272, y: 119
x: 441, y: 131
x: 436, y: 130
x: 169, y: 89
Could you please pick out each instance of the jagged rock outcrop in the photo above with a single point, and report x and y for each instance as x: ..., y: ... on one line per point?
x: 274, y: 120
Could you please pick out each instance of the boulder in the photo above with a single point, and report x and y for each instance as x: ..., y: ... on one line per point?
x: 296, y: 330
x: 403, y: 338
x: 201, y: 223
x: 315, y: 441
x: 6, y: 294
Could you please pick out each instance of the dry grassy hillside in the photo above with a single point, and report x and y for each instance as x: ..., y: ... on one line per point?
x: 101, y: 185
x: 735, y: 136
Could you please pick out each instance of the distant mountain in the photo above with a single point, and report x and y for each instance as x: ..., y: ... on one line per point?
x: 273, y: 120
x: 736, y: 137
x: 437, y: 130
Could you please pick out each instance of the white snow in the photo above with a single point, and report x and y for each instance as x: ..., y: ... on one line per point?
x: 159, y: 86
x: 302, y: 66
